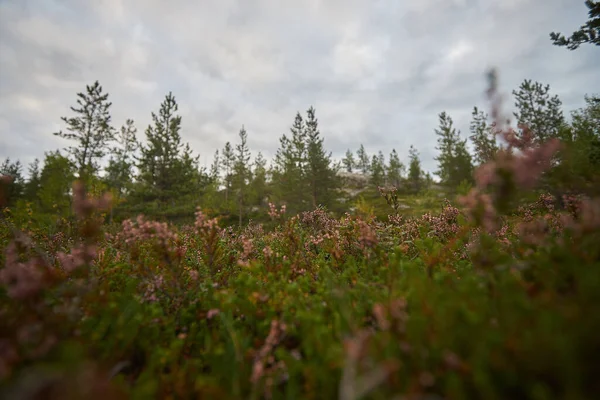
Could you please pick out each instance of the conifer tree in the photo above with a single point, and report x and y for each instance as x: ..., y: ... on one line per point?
x: 90, y: 129
x: 538, y: 111
x: 227, y: 162
x: 242, y: 172
x: 259, y: 180
x: 33, y: 183
x: 320, y: 174
x: 378, y: 169
x: 483, y: 137
x: 454, y: 160
x: 349, y: 161
x: 120, y: 165
x: 289, y: 169
x: 363, y: 160
x: 588, y: 33
x: 15, y: 188
x: 415, y: 174
x: 215, y: 168
x: 395, y: 169
x: 168, y: 171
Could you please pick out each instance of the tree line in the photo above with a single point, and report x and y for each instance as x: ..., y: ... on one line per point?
x: 162, y: 177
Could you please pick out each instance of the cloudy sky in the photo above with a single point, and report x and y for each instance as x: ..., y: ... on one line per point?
x: 377, y: 71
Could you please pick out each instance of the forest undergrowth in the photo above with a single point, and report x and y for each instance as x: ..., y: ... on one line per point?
x: 489, y: 297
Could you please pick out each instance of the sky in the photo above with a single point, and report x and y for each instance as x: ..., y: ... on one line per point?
x: 378, y: 72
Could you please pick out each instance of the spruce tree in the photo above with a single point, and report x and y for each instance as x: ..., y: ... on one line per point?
x: 377, y: 170
x: 259, y: 180
x: 395, y: 169
x: 90, y: 129
x: 415, y: 174
x: 33, y: 183
x: 289, y: 169
x: 483, y: 137
x: 227, y: 162
x: 454, y: 160
x: 320, y: 174
x: 242, y: 173
x: 215, y: 168
x: 349, y: 161
x: 363, y: 160
x: 120, y: 165
x: 168, y: 171
x: 447, y: 139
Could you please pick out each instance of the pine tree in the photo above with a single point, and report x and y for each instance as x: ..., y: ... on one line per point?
x: 215, y: 168
x: 588, y: 33
x: 447, y: 139
x: 415, y: 174
x: 259, y: 180
x: 299, y: 142
x: 462, y: 165
x: 168, y: 171
x: 483, y: 137
x: 395, y: 169
x: 454, y: 160
x: 121, y: 163
x: 90, y: 129
x: 538, y: 111
x: 349, y: 161
x: 363, y: 160
x: 320, y: 175
x: 289, y: 169
x: 242, y: 172
x: 32, y: 185
x: 378, y: 169
x: 227, y: 162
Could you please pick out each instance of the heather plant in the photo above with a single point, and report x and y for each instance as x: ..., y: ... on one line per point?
x: 494, y: 296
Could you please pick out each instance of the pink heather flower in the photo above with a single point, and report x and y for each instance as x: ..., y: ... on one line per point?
x: 480, y: 208
x: 203, y: 222
x: 267, y: 252
x: 274, y: 213
x: 368, y: 237
x: 84, y: 206
x: 22, y: 280
x: 194, y: 274
x: 212, y: 313
x: 79, y: 257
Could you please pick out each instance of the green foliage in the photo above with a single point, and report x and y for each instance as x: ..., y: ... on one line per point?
x: 304, y: 175
x: 168, y: 171
x: 538, y: 112
x: 454, y: 160
x: 90, y: 129
x: 363, y: 160
x: 395, y: 169
x: 349, y: 162
x: 320, y: 173
x: 483, y: 137
x: 242, y: 175
x: 588, y: 33
x: 56, y: 178
x: 415, y: 174
x: 405, y: 295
